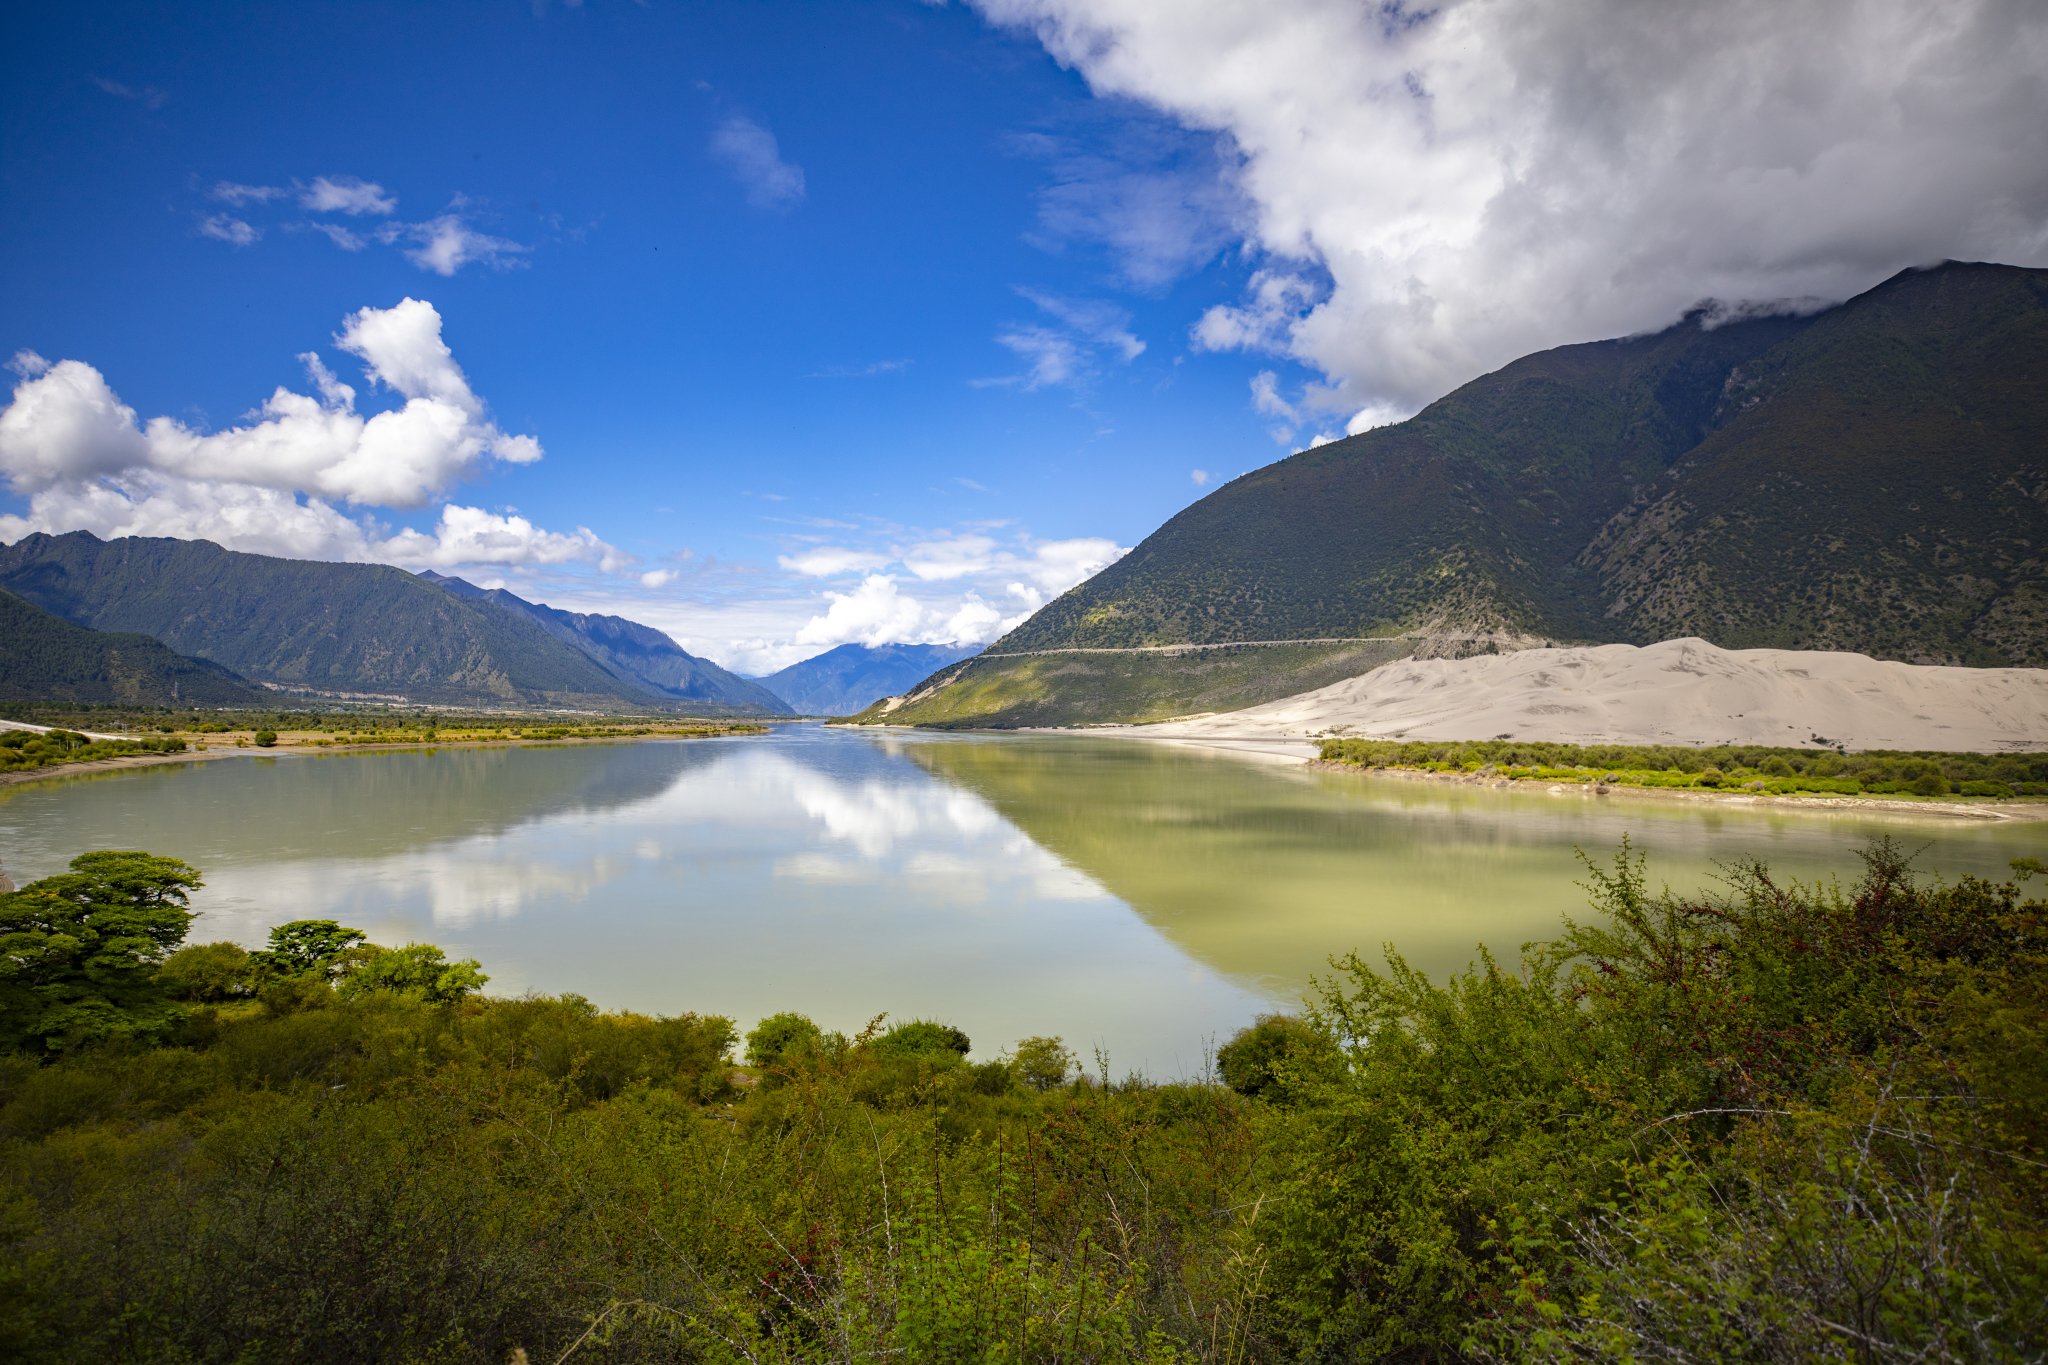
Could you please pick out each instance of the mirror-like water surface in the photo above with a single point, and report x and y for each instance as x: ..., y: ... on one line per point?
x: 1141, y: 897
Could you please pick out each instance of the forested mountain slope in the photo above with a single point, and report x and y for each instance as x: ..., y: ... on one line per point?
x: 334, y: 627
x: 1874, y: 478
x: 636, y: 653
x: 46, y: 658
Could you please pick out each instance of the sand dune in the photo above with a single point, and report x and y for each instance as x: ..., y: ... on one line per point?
x: 1678, y: 692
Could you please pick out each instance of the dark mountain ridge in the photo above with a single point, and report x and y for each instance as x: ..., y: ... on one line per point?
x: 320, y: 627
x: 46, y: 658
x: 1870, y: 478
x: 636, y: 654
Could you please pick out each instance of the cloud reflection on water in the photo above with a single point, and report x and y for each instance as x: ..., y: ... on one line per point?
x: 809, y: 870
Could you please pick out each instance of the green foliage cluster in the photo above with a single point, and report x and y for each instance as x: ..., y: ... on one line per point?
x: 1758, y: 767
x: 94, y: 956
x: 79, y: 952
x: 1782, y: 1123
x: 1802, y: 1118
x: 24, y: 749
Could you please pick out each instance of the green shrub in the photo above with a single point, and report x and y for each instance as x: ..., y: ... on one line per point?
x: 208, y: 972
x: 994, y: 1078
x: 1042, y: 1064
x: 419, y: 971
x: 266, y: 738
x: 1278, y: 1057
x: 782, y: 1039
x: 922, y: 1037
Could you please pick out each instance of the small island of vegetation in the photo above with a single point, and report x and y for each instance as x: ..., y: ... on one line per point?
x: 1785, y: 1122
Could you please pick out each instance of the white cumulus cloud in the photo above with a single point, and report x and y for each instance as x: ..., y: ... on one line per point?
x: 272, y: 485
x: 1437, y: 190
x: 872, y: 614
x: 972, y: 567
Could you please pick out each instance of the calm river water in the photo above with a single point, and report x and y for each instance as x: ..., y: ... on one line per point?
x: 1139, y: 897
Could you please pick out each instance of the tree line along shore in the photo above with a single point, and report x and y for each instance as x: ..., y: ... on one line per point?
x: 86, y: 734
x: 1724, y: 767
x: 1777, y: 1122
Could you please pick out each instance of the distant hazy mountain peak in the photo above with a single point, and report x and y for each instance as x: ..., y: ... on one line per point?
x: 850, y: 678
x: 638, y: 655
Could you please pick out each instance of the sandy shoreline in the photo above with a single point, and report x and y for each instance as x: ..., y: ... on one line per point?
x: 2001, y: 811
x: 1678, y: 692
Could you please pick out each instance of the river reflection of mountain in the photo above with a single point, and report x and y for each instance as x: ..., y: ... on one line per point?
x: 1140, y: 896
x: 1263, y: 871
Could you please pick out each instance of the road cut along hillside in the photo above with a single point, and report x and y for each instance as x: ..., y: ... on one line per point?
x: 1677, y: 692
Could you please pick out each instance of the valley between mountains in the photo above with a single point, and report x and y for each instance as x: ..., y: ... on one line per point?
x: 1867, y: 482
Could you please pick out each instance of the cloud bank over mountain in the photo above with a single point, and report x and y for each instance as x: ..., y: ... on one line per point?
x: 1435, y: 191
x: 277, y: 484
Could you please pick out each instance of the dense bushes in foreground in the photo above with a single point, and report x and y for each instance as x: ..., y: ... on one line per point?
x: 1754, y: 767
x: 1785, y: 1123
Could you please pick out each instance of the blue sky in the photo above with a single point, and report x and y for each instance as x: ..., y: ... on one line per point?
x: 782, y: 324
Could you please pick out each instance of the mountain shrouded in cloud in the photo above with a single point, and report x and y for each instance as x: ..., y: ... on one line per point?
x: 1436, y: 190
x: 78, y: 452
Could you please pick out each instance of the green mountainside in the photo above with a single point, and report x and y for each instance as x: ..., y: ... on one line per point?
x: 365, y: 629
x: 46, y: 658
x: 1873, y: 478
x: 639, y: 654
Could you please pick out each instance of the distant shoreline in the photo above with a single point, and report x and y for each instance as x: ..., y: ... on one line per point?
x: 2018, y: 809
x: 118, y: 761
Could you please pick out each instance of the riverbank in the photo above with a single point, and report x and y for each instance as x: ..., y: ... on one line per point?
x: 2020, y: 808
x: 203, y: 747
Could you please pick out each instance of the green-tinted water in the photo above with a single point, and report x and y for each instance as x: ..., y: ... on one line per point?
x: 1140, y: 897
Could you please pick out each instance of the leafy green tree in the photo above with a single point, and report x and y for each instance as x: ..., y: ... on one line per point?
x: 208, y: 972
x: 265, y: 738
x: 1043, y: 1063
x: 79, y: 952
x: 782, y: 1038
x: 419, y: 971
x: 311, y: 947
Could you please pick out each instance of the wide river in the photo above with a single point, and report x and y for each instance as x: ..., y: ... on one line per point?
x: 1142, y: 898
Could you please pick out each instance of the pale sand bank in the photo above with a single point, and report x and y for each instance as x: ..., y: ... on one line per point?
x: 1678, y: 692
